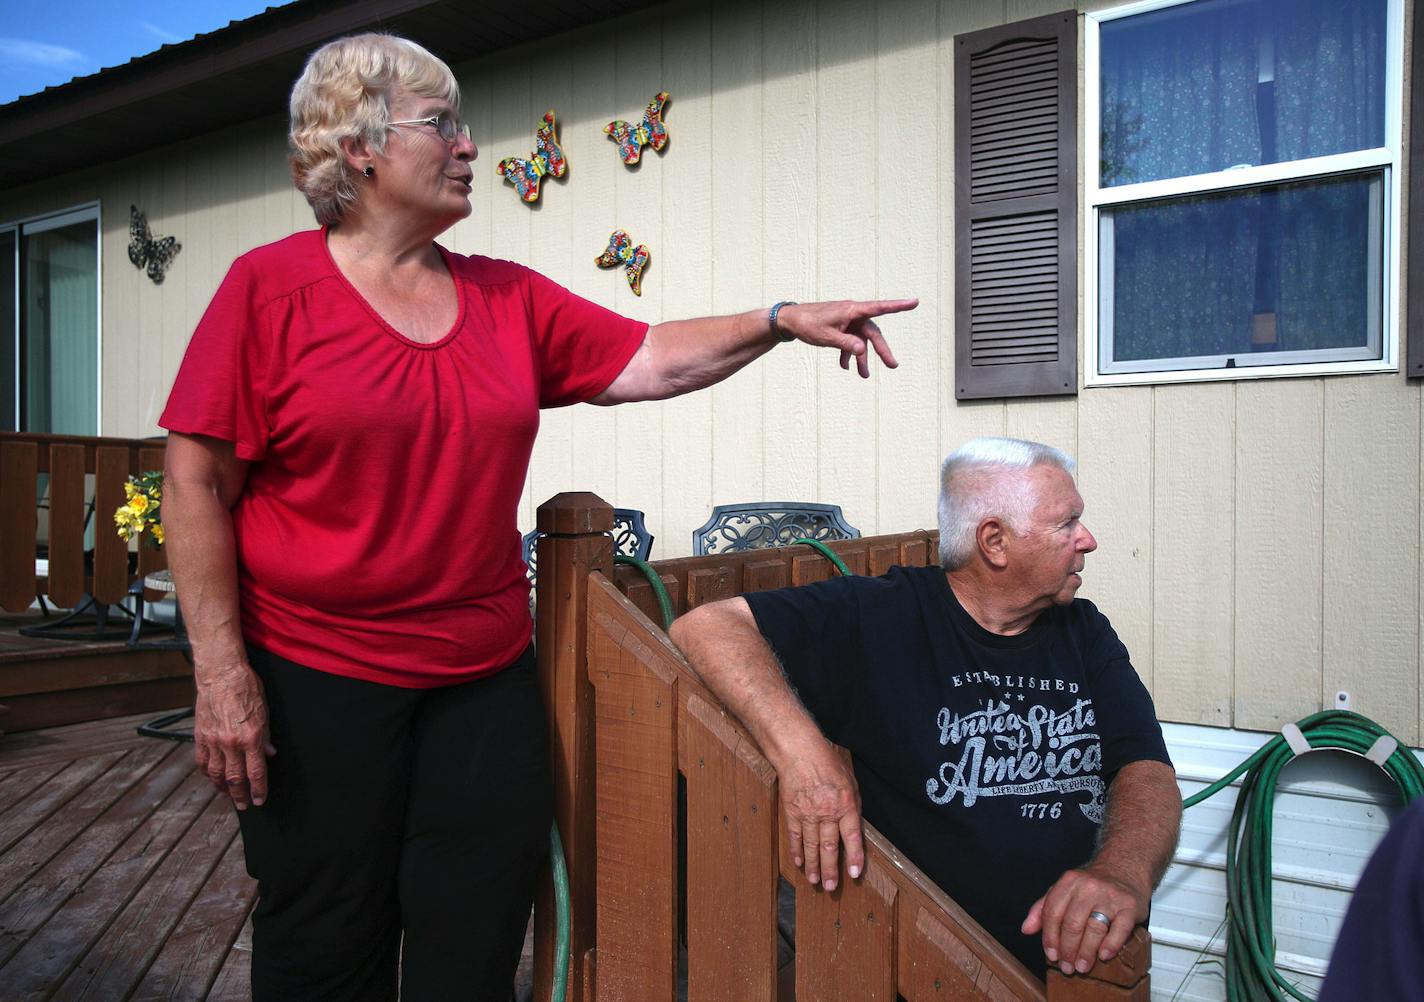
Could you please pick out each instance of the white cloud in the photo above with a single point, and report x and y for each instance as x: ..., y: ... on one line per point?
x: 162, y: 34
x: 26, y: 52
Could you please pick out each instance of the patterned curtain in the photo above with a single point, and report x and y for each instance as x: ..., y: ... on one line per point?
x: 1179, y: 93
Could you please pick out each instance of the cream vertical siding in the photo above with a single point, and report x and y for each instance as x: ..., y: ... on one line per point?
x: 1259, y: 539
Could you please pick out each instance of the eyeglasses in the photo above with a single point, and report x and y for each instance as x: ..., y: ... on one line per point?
x: 449, y: 127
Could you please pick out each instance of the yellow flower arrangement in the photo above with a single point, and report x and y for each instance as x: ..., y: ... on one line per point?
x: 140, y: 511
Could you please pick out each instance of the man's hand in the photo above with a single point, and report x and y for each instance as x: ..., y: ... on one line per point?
x: 1135, y: 845
x: 230, y: 739
x: 822, y: 804
x: 1069, y: 915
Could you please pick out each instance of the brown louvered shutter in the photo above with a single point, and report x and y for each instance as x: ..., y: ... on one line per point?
x: 1016, y: 207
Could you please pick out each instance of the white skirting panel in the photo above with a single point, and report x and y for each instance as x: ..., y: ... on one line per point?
x: 1332, y: 809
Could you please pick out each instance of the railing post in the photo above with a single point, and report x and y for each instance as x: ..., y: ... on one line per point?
x: 1125, y: 978
x: 19, y: 523
x: 575, y: 542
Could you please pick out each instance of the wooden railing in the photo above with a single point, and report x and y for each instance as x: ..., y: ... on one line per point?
x: 629, y: 720
x: 80, y: 471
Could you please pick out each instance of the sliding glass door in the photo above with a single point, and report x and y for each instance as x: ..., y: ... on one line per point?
x: 50, y: 318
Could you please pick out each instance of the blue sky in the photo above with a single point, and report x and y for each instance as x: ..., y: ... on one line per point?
x: 47, y: 42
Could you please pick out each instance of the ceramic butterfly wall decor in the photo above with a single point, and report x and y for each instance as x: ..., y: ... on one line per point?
x: 650, y: 131
x: 633, y: 260
x: 547, y: 160
x: 153, y: 254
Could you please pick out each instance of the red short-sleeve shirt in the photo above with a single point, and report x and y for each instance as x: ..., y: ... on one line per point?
x: 376, y: 534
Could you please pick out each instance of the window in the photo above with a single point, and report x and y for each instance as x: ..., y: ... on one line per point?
x: 1241, y: 187
x: 49, y: 324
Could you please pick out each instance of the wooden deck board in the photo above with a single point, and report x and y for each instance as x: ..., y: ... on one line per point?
x: 20, y: 818
x: 121, y: 871
x: 82, y: 904
x: 123, y: 954
x: 72, y: 741
x: 18, y: 784
x: 28, y: 855
x: 61, y: 882
x: 190, y: 961
x: 234, y: 983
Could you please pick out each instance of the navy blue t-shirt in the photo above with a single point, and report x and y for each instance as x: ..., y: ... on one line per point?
x: 986, y: 759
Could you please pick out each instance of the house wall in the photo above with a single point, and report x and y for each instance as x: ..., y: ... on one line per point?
x: 1259, y: 540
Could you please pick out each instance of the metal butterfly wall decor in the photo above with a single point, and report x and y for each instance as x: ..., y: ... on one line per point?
x: 146, y: 251
x: 633, y: 259
x: 631, y: 138
x: 547, y: 159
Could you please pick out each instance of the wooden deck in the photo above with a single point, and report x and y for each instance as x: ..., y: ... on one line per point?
x: 121, y: 872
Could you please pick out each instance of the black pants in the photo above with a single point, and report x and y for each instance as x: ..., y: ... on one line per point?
x: 422, y: 812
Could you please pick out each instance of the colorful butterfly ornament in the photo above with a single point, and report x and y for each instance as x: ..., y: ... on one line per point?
x: 649, y: 132
x: 153, y: 254
x: 633, y: 259
x: 547, y: 159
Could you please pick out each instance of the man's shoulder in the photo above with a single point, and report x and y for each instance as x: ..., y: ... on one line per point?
x: 1083, y: 613
x: 899, y: 597
x: 899, y: 586
x: 1085, y: 627
x: 871, y: 600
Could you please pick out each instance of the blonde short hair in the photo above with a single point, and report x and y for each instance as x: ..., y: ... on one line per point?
x: 344, y: 93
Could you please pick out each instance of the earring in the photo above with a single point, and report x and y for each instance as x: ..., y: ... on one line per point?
x: 369, y: 171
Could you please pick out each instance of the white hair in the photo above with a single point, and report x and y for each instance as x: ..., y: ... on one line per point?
x: 973, y: 486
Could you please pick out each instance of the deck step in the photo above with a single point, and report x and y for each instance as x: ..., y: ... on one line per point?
x: 49, y: 682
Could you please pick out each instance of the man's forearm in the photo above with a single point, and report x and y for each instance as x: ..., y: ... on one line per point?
x: 725, y: 649
x: 1144, y: 816
x: 816, y: 787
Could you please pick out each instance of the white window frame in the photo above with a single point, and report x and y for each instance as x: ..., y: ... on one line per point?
x: 1385, y: 158
x: 49, y: 221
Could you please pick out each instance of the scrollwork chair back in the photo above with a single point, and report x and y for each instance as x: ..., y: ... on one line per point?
x: 761, y: 524
x: 630, y: 538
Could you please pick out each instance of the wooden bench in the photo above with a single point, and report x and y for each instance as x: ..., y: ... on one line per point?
x: 630, y: 724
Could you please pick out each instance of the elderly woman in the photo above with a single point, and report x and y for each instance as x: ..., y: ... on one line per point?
x: 351, y: 428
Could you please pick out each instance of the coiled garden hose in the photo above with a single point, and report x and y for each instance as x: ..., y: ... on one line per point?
x: 1251, y: 974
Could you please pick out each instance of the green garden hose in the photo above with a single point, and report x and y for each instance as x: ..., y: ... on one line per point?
x: 1251, y: 974
x: 560, y: 988
x: 664, y: 603
x: 826, y: 552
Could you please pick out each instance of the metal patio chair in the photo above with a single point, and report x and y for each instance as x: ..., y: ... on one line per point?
x: 758, y: 525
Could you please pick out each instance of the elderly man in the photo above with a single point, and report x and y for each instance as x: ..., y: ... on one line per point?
x: 999, y: 734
